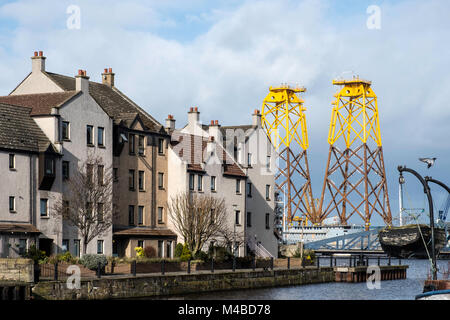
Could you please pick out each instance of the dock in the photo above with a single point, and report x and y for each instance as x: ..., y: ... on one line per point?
x: 14, y: 291
x: 361, y: 274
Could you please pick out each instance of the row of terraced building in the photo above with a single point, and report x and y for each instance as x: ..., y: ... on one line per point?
x: 51, y: 123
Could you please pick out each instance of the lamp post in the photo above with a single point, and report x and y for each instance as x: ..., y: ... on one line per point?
x: 234, y: 230
x: 427, y: 191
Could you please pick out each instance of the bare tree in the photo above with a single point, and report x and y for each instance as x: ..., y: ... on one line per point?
x: 87, y: 200
x: 199, y: 219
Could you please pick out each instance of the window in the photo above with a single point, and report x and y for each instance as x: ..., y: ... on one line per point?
x: 160, y: 248
x: 65, y: 169
x: 131, y: 215
x: 238, y: 185
x: 65, y: 245
x: 89, y: 135
x: 89, y: 172
x: 141, y: 145
x: 100, y: 212
x: 22, y: 246
x: 160, y: 146
x: 100, y: 174
x: 249, y: 189
x: 160, y: 215
x: 267, y: 191
x: 249, y: 159
x: 101, y: 136
x: 12, y: 204
x: 141, y: 180
x: 12, y: 161
x: 44, y: 208
x: 131, y: 146
x: 268, y: 163
x: 99, y: 246
x: 238, y: 217
x: 131, y: 179
x: 76, y: 247
x: 191, y: 181
x: 160, y: 180
x: 200, y: 183
x: 213, y: 183
x: 249, y: 219
x: 49, y: 166
x: 169, y: 249
x: 140, y: 243
x: 141, y: 215
x: 115, y: 174
x: 267, y: 221
x: 65, y: 130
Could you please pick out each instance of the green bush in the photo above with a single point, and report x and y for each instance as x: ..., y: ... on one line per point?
x: 201, y: 255
x: 220, y: 254
x: 178, y: 250
x: 33, y: 253
x: 186, y: 253
x: 91, y: 261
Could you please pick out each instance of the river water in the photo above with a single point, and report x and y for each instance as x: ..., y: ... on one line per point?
x: 405, y: 289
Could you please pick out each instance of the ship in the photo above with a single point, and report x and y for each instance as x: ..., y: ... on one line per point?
x: 411, y: 241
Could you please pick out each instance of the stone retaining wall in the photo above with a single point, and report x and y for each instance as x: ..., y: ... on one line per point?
x: 19, y: 269
x: 178, y: 284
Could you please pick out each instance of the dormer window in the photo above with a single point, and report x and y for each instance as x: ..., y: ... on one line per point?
x: 141, y: 145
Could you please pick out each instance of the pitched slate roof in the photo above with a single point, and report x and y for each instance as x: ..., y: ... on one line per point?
x: 113, y: 101
x: 18, y: 131
x: 40, y: 103
x: 192, y: 149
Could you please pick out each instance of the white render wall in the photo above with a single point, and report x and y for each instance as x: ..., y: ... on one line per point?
x: 80, y: 112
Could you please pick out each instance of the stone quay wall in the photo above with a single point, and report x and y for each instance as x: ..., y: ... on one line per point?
x: 121, y: 287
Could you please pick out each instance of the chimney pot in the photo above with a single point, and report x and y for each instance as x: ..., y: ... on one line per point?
x: 212, y: 122
x: 110, y: 70
x: 191, y: 109
x: 80, y: 72
x: 106, y: 70
x: 217, y: 122
x: 196, y: 109
x: 40, y: 53
x: 35, y: 53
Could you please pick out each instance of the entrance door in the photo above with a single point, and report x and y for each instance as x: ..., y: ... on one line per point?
x: 46, y: 245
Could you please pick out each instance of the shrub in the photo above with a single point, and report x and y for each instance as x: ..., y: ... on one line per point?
x: 35, y: 254
x: 139, y: 251
x: 220, y: 254
x: 201, y: 255
x: 66, y: 257
x: 186, y: 253
x: 178, y: 250
x: 149, y: 252
x: 91, y: 261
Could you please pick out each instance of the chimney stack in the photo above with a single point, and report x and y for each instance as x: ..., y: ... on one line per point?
x: 108, y: 77
x: 193, y: 117
x: 214, y: 130
x: 170, y: 123
x: 38, y: 62
x: 256, y: 119
x: 82, y: 81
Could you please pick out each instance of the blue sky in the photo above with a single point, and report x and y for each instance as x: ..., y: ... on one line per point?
x: 223, y: 55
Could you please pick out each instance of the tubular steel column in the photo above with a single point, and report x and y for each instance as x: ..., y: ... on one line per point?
x: 283, y: 119
x: 355, y: 178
